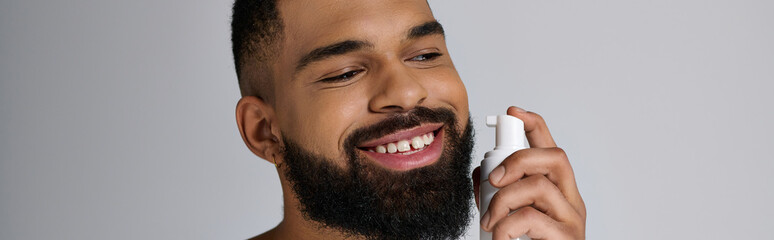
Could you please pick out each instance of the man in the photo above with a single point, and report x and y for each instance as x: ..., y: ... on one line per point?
x: 359, y: 107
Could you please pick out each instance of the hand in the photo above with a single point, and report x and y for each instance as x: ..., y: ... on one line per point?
x: 537, y: 186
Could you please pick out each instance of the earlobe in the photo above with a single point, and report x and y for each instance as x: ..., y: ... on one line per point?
x: 255, y: 119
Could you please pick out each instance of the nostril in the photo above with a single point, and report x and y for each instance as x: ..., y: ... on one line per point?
x: 393, y: 108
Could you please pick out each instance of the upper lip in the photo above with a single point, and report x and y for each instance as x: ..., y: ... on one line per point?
x: 402, y: 135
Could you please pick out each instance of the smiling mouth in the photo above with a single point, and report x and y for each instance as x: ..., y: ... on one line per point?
x: 405, y: 146
x: 407, y: 149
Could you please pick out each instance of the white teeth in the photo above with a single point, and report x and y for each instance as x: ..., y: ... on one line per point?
x: 392, y: 148
x: 381, y: 149
x: 417, y: 142
x: 403, y: 146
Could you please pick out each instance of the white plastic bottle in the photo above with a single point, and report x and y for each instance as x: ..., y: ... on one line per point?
x: 509, y: 138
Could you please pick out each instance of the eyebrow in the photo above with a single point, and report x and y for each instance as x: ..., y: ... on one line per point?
x: 348, y: 46
x: 335, y: 49
x: 426, y: 29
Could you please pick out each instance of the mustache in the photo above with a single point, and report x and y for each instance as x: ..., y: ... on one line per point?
x: 400, y: 121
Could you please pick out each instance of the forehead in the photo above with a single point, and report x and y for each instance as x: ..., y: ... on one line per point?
x: 312, y: 23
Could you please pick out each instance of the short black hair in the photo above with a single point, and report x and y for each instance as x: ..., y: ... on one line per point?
x: 256, y: 31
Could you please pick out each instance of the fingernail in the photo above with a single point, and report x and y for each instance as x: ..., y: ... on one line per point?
x: 497, y: 174
x: 485, y: 220
x: 518, y: 109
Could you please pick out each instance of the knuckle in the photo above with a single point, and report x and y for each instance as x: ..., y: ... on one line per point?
x: 542, y: 182
x: 496, y: 199
x: 537, y: 116
x: 539, y: 183
x: 499, y: 228
x: 540, y: 121
x: 560, y: 152
x: 520, y: 156
x: 562, y: 161
x: 503, y: 229
x: 529, y: 214
x: 515, y: 156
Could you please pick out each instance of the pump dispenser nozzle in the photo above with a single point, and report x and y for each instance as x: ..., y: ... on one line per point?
x: 509, y: 131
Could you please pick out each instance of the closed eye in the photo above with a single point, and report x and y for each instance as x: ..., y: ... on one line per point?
x: 342, y: 78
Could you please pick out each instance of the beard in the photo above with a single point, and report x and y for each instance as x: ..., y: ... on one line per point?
x: 431, y: 202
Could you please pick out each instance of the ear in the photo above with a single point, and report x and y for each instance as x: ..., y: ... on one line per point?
x: 256, y: 122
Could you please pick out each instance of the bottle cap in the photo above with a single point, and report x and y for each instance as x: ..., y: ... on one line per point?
x: 509, y: 131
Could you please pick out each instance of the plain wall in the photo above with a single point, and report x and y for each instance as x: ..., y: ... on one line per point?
x: 117, y: 117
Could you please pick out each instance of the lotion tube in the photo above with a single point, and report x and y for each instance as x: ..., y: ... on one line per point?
x: 509, y: 138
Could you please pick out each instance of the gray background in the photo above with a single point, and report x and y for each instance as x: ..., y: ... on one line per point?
x: 117, y: 117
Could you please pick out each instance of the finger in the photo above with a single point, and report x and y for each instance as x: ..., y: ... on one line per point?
x: 476, y: 183
x: 551, y: 162
x: 534, y: 127
x: 531, y: 222
x: 535, y: 191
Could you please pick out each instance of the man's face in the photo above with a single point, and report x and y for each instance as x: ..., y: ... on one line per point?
x: 373, y: 119
x: 385, y: 71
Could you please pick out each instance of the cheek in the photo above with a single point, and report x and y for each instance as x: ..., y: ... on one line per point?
x: 319, y: 119
x: 458, y: 98
x: 445, y: 86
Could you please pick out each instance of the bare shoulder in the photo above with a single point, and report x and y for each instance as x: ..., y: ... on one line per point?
x: 269, y: 235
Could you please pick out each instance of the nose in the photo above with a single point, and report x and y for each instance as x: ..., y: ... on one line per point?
x: 397, y: 91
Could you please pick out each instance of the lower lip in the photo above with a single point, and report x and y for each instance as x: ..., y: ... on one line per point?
x: 427, y: 156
